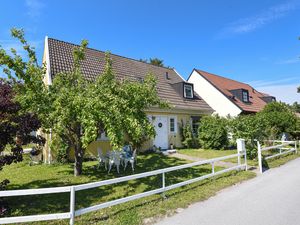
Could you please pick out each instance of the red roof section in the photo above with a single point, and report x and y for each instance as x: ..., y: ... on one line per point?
x: 226, y: 85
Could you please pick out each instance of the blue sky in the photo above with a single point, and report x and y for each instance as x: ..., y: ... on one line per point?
x: 250, y: 41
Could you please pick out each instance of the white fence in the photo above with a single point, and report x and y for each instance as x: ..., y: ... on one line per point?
x: 72, y: 189
x: 283, y: 149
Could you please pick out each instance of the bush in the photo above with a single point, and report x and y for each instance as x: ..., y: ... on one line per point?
x: 279, y: 118
x: 60, y: 148
x: 212, y: 133
x: 188, y: 139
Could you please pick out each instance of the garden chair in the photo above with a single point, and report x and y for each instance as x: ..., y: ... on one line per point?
x: 102, y: 158
x: 114, y: 159
x: 131, y: 159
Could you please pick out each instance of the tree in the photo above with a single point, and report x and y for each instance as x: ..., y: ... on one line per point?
x: 78, y: 109
x: 156, y: 62
x: 212, y: 133
x: 15, y: 128
x: 296, y: 107
x: 279, y: 119
x: 249, y: 127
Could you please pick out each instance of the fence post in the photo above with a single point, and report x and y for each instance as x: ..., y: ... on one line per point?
x: 163, y: 184
x: 213, y: 167
x: 259, y: 157
x: 72, y: 205
x: 296, y: 151
x: 241, y: 149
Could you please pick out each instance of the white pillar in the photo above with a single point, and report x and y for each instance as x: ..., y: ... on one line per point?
x: 241, y: 149
x: 259, y: 157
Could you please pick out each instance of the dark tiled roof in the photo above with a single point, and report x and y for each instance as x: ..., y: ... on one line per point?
x: 61, y: 60
x: 226, y: 85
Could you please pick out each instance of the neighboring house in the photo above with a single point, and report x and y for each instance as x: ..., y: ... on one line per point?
x: 226, y: 96
x: 186, y: 105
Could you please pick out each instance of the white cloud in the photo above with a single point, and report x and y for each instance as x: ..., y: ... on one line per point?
x: 34, y: 8
x: 264, y: 83
x: 290, y: 61
x: 285, y: 93
x: 259, y: 20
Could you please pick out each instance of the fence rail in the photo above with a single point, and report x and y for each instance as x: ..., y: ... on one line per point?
x: 72, y: 189
x: 282, y: 150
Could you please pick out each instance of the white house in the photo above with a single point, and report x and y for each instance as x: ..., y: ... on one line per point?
x: 226, y: 96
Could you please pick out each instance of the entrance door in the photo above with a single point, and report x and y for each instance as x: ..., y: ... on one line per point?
x: 161, y: 127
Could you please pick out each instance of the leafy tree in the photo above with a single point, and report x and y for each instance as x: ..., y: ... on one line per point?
x: 78, y: 109
x: 296, y: 107
x: 15, y: 128
x: 279, y: 118
x: 212, y: 133
x: 251, y: 128
x: 156, y: 62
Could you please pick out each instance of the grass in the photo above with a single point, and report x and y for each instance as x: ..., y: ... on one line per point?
x: 278, y: 161
x: 23, y: 176
x: 209, y: 153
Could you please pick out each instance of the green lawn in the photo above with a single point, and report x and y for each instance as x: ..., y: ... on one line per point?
x: 209, y: 154
x: 23, y: 176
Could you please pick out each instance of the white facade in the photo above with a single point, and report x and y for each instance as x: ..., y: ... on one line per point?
x: 213, y: 97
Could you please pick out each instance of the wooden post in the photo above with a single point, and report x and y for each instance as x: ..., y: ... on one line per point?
x: 72, y: 205
x: 296, y: 151
x: 213, y: 168
x: 259, y: 157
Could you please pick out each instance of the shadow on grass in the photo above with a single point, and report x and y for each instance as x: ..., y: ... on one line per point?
x: 54, y: 203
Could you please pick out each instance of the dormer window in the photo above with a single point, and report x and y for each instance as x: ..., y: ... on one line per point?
x: 245, y: 96
x: 188, y: 91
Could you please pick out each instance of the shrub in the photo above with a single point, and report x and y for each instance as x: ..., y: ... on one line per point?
x: 212, y: 133
x: 60, y: 148
x: 188, y: 139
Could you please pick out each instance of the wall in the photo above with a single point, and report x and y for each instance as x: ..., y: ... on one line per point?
x: 214, y: 98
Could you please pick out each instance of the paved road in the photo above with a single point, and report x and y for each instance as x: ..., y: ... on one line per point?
x: 269, y: 199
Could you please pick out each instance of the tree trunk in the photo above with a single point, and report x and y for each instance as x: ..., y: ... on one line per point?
x: 78, y: 159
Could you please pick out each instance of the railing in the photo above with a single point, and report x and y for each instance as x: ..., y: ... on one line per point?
x: 72, y: 190
x: 282, y: 150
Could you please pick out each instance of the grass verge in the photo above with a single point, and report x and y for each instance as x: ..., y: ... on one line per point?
x: 23, y: 176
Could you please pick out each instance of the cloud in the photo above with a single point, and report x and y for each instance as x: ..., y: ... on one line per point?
x: 290, y: 61
x: 34, y: 8
x: 285, y: 93
x: 264, y: 83
x: 252, y: 23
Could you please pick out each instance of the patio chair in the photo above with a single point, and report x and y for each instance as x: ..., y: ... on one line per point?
x: 114, y: 159
x: 102, y: 158
x: 131, y: 159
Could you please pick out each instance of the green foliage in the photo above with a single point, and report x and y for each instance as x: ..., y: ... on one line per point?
x: 296, y: 107
x: 154, y: 61
x: 188, y: 139
x: 61, y: 149
x: 279, y: 118
x: 212, y: 132
x: 78, y: 109
x: 251, y: 128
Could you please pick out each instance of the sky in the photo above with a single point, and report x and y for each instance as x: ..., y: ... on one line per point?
x: 250, y: 41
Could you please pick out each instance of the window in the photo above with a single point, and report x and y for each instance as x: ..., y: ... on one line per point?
x: 188, y: 91
x: 172, y: 125
x: 245, y: 96
x: 195, y: 125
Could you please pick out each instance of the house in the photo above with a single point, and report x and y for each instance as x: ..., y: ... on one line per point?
x: 226, y: 96
x: 186, y: 105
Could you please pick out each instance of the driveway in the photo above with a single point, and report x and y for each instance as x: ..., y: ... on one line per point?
x: 269, y: 199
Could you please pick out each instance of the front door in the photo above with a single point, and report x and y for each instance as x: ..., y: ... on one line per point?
x: 161, y: 128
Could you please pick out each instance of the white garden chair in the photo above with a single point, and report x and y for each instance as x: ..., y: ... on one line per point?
x: 102, y: 158
x: 131, y: 159
x: 114, y: 159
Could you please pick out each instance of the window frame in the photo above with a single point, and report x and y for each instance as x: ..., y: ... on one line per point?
x: 246, y: 95
x: 184, y: 90
x: 175, y: 124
